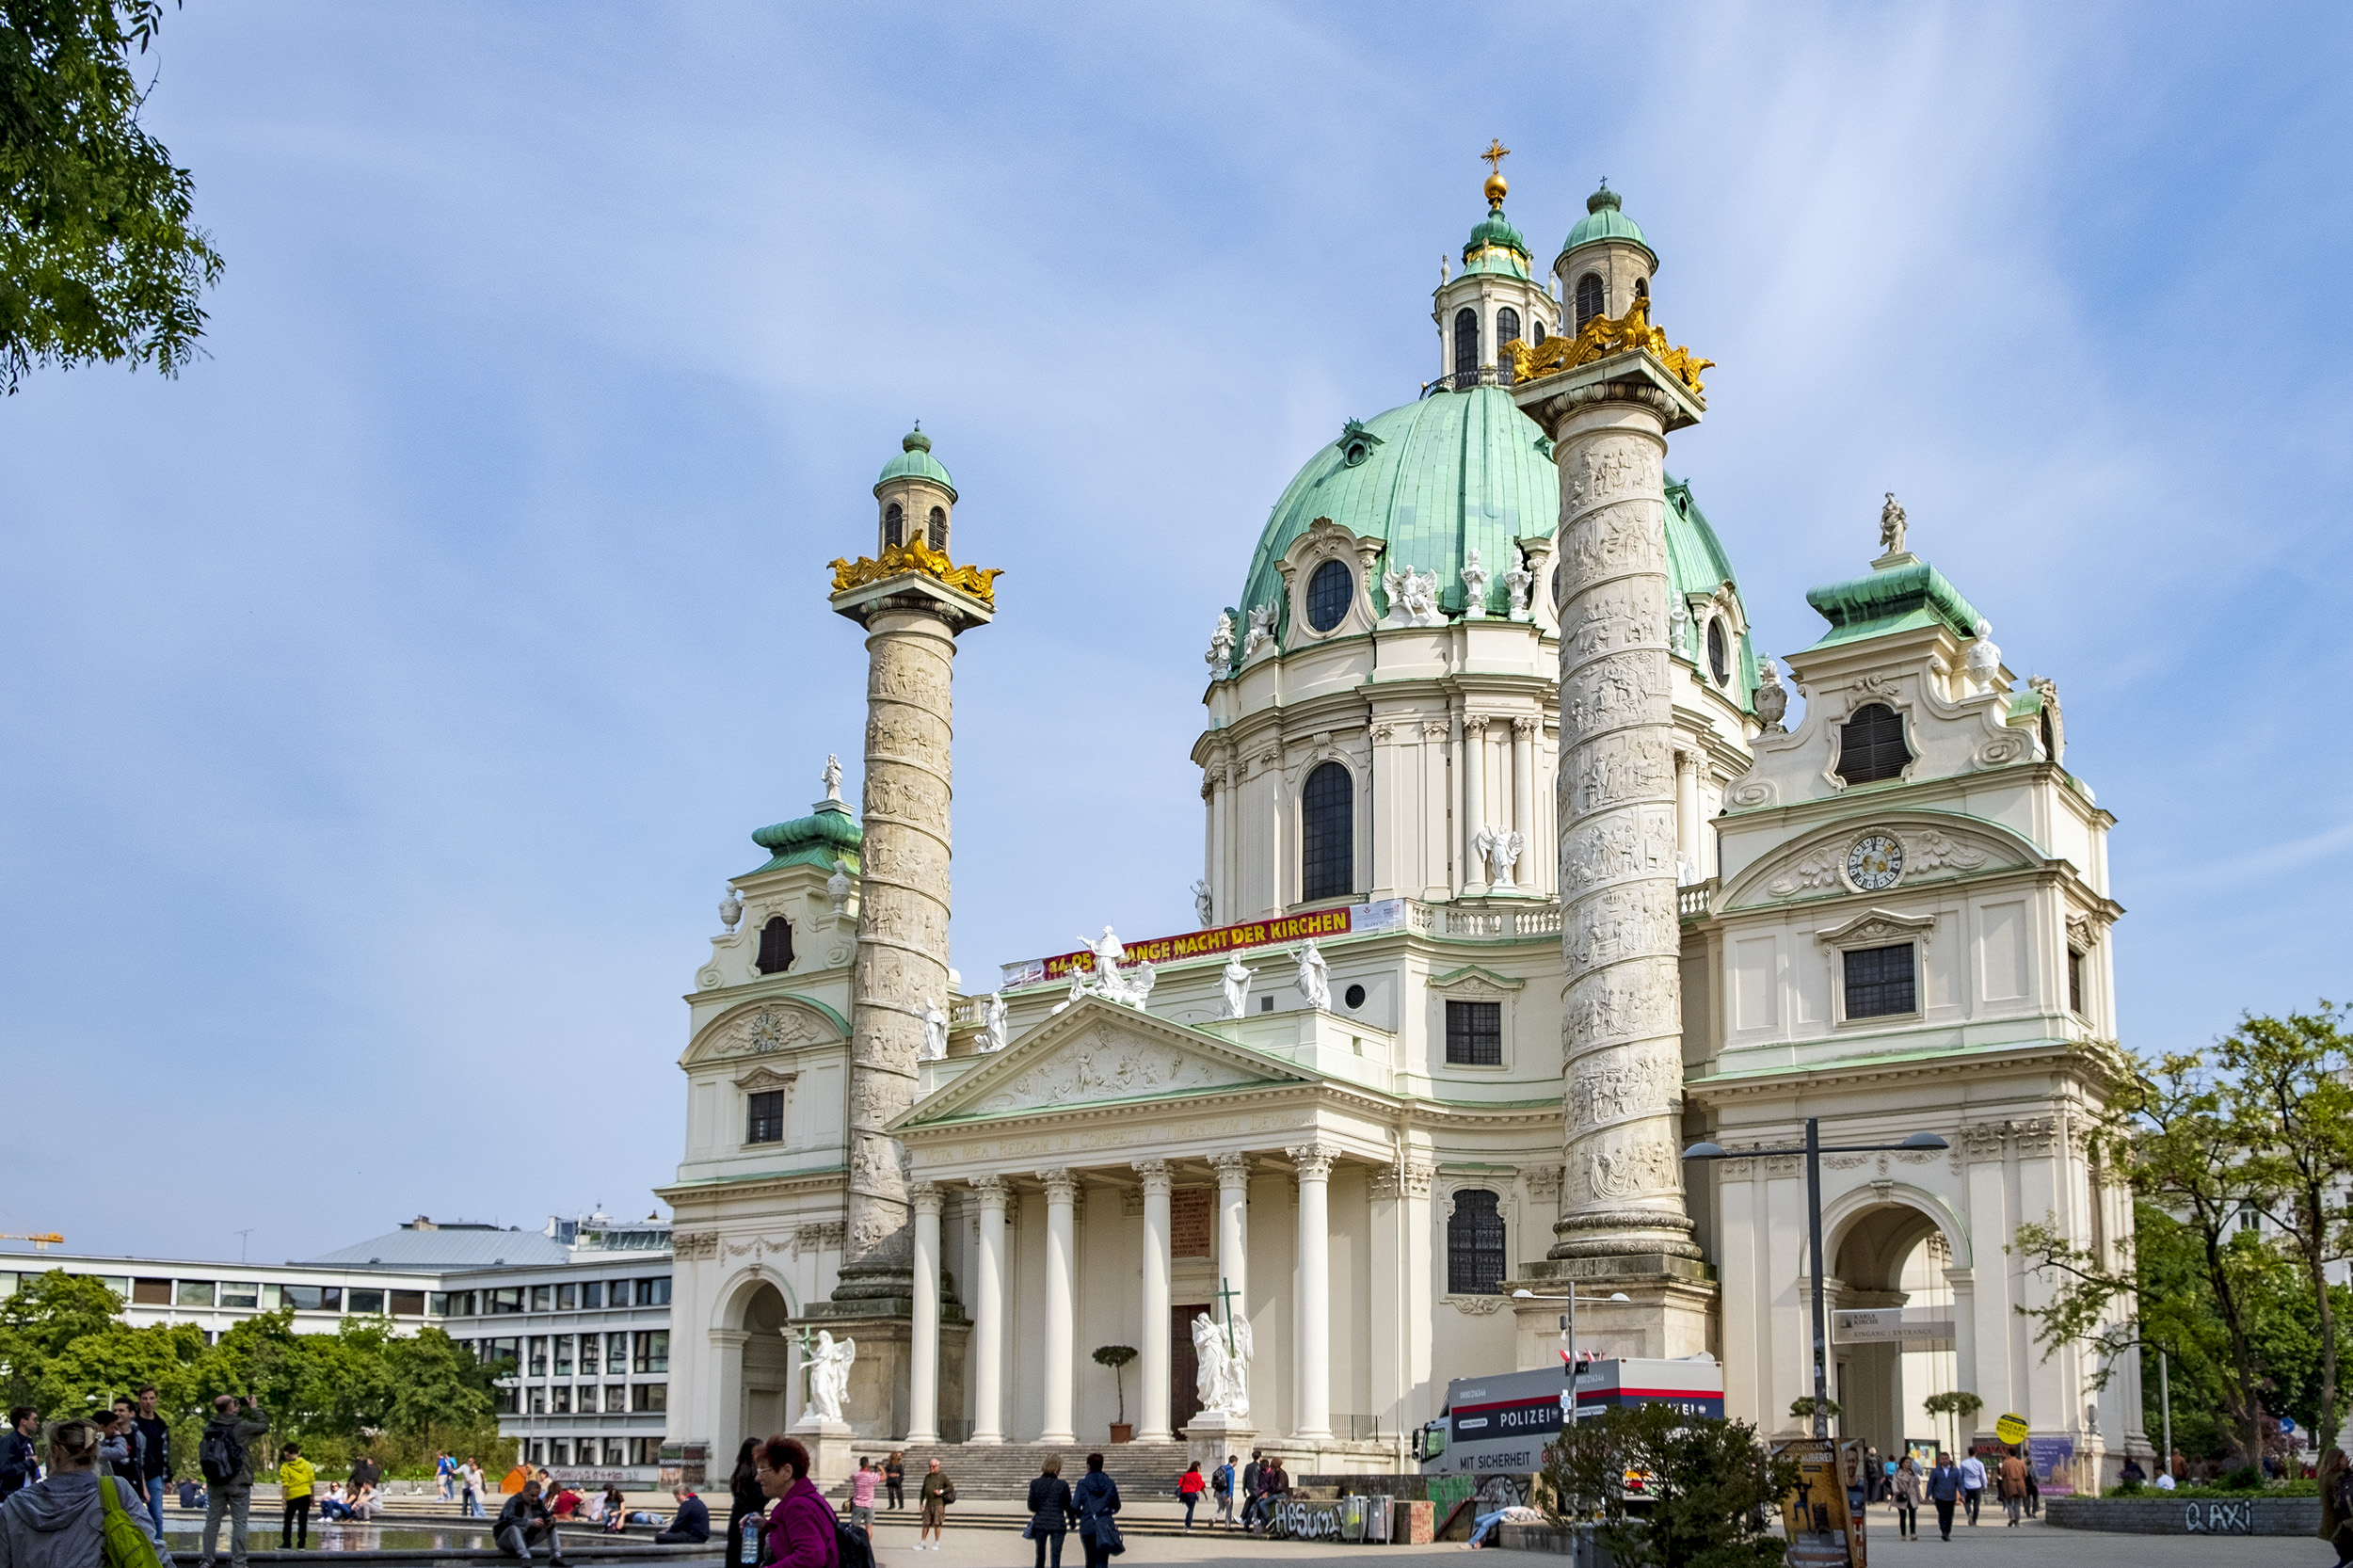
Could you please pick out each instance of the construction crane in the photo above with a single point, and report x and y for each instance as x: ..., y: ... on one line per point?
x: 40, y: 1244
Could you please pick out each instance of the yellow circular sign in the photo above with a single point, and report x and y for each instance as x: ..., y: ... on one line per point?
x: 2010, y: 1428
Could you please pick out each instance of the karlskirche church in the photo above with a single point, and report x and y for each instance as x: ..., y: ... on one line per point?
x: 1520, y: 874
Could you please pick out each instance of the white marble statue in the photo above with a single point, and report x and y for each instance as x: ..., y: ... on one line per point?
x: 1678, y: 621
x: 830, y: 1375
x: 935, y: 1031
x: 1108, y: 952
x: 1132, y: 987
x: 1221, y: 652
x: 1413, y: 597
x: 1261, y: 630
x: 1315, y: 977
x: 1984, y: 660
x: 1500, y: 849
x: 1772, y: 698
x: 1203, y: 905
x: 1892, y: 525
x: 1520, y: 583
x: 730, y: 909
x: 1238, y: 980
x: 1222, y: 1382
x: 833, y: 777
x: 1474, y: 587
x: 993, y: 1019
x: 838, y: 889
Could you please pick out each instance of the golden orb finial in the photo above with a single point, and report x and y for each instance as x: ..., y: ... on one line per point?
x: 1495, y: 155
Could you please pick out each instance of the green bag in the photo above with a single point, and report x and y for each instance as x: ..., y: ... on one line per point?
x: 127, y: 1543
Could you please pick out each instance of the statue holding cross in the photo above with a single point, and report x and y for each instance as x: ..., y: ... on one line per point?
x: 1224, y: 1355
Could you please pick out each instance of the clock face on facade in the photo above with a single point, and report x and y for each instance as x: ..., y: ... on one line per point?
x: 1875, y: 862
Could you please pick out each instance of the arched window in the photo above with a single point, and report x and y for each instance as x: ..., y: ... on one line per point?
x: 1871, y: 744
x: 1641, y: 288
x: 1329, y: 592
x: 1466, y: 347
x: 1539, y: 334
x: 894, y: 525
x: 775, y: 946
x: 1327, y: 834
x: 1719, y: 652
x: 939, y: 530
x: 1473, y: 1245
x: 1588, y: 299
x: 1507, y: 326
x: 2050, y: 740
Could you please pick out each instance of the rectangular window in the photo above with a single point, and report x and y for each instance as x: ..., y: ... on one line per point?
x: 615, y: 1397
x: 119, y: 1284
x: 2249, y: 1219
x: 560, y: 1401
x: 654, y: 1292
x: 502, y: 1401
x: 312, y: 1298
x: 1880, y: 981
x: 1474, y: 1034
x: 567, y: 1298
x: 408, y: 1303
x: 645, y: 1451
x: 764, y: 1123
x: 652, y: 1397
x: 618, y: 1294
x: 538, y: 1450
x: 367, y: 1302
x: 2075, y: 984
x: 508, y: 1300
x: 151, y: 1293
x: 592, y: 1295
x: 193, y: 1292
x: 438, y: 1304
x: 563, y: 1355
x: 543, y: 1298
x: 506, y: 1351
x: 615, y: 1454
x: 559, y: 1452
x: 588, y: 1347
x: 653, y: 1351
x: 538, y: 1363
x: 617, y: 1353
x: 538, y: 1399
x: 236, y: 1292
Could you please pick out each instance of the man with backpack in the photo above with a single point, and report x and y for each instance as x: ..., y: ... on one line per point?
x: 228, y: 1465
x: 1222, y: 1488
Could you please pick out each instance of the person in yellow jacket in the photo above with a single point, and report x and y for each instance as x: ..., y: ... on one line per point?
x: 295, y: 1480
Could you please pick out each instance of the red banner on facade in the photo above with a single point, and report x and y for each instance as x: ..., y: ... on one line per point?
x: 1350, y: 918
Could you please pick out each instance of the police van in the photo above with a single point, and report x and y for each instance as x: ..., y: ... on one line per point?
x: 1503, y: 1424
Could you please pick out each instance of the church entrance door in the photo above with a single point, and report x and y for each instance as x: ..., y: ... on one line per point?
x: 1184, y: 1369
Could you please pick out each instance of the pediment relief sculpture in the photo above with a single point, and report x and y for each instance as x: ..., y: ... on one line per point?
x: 1872, y: 858
x: 1106, y: 1063
x: 763, y: 1029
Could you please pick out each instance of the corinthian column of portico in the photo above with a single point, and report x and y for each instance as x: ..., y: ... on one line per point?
x: 1622, y: 1040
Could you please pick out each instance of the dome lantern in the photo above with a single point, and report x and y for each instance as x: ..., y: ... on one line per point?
x: 914, y: 497
x: 1605, y: 264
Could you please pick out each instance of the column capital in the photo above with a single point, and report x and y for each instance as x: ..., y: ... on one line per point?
x: 1475, y: 724
x: 1061, y: 1186
x: 1156, y: 1177
x: 1314, y: 1161
x: 1525, y: 723
x: 1417, y: 1178
x: 927, y: 1198
x: 991, y: 1190
x: 1233, y: 1170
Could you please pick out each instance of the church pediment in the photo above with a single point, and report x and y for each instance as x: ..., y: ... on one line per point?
x: 1100, y: 1053
x: 763, y: 1028
x: 1853, y: 857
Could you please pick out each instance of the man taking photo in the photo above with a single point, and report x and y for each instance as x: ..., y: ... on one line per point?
x: 227, y: 1460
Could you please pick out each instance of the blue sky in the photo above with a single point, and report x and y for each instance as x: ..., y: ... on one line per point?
x: 386, y: 701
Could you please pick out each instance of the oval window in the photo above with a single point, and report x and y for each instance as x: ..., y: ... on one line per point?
x: 1354, y: 996
x: 1328, y: 593
x: 1719, y: 653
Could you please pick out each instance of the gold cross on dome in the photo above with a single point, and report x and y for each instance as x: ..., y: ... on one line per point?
x: 1496, y: 153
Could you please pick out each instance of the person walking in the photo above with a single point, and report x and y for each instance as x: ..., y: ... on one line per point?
x: 228, y: 1465
x: 1097, y: 1498
x: 936, y: 1493
x: 19, y: 1469
x: 524, y: 1522
x: 895, y: 1479
x: 297, y: 1480
x: 1870, y: 1473
x: 154, y: 1451
x: 445, y: 1472
x: 1222, y: 1484
x: 691, y: 1523
x: 2034, y: 1488
x: 1250, y: 1473
x: 802, y: 1529
x: 745, y: 1501
x: 61, y: 1522
x: 862, y: 1484
x: 1943, y: 1491
x: 1906, y: 1489
x: 1972, y: 1483
x: 471, y: 1480
x: 1189, y: 1489
x: 2012, y: 1481
x: 1049, y: 1512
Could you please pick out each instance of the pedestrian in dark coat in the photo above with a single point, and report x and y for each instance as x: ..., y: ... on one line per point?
x: 1097, y: 1498
x: 1051, y: 1512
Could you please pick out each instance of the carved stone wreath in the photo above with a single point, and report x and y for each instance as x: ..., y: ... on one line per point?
x: 1475, y: 1307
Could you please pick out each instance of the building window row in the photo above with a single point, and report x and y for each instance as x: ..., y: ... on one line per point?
x: 595, y: 1295
x: 627, y: 1351
x: 612, y: 1453
x: 568, y: 1399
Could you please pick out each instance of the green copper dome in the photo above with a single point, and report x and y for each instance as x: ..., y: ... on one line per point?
x: 915, y: 461
x: 1603, y: 221
x: 1495, y: 234
x: 818, y: 841
x: 1697, y: 565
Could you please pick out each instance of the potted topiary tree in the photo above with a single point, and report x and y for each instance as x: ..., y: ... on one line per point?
x: 1116, y: 1356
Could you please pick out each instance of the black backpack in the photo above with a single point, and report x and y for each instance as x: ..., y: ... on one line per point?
x: 852, y: 1545
x: 221, y: 1456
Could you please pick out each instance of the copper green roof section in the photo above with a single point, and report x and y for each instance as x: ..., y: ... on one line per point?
x: 1453, y: 471
x: 1495, y: 247
x: 915, y: 461
x: 1696, y: 564
x: 1603, y: 221
x: 831, y: 834
x: 1895, y: 600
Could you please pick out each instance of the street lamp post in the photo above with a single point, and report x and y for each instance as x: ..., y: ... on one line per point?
x: 1568, y: 1329
x: 1813, y: 1150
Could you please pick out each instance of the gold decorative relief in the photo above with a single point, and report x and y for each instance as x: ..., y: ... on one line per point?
x: 919, y: 556
x: 1600, y: 337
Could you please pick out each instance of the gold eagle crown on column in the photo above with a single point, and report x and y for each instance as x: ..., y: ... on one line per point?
x: 1598, y: 339
x: 916, y: 555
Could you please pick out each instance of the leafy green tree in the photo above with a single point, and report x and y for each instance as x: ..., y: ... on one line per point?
x: 1710, y: 1495
x: 99, y: 259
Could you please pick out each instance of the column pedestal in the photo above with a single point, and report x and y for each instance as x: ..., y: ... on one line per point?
x: 829, y: 1445
x: 1214, y: 1435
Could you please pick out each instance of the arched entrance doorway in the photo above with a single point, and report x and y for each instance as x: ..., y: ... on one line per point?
x: 1890, y: 1254
x: 763, y: 1405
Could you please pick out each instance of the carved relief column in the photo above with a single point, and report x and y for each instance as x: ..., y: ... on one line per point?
x: 1061, y: 1294
x: 988, y: 1316
x: 1525, y: 733
x: 1623, y: 1076
x: 1233, y: 1227
x: 1153, y: 1343
x: 1312, y: 1374
x: 1474, y: 800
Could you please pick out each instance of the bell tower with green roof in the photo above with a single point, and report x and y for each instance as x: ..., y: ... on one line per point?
x: 1496, y: 298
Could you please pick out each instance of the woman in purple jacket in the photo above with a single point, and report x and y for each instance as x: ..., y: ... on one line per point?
x: 801, y: 1527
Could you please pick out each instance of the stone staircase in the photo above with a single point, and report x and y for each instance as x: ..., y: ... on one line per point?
x: 1000, y: 1473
